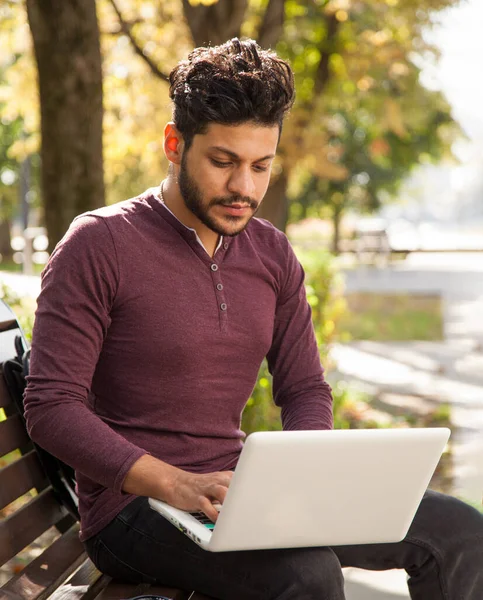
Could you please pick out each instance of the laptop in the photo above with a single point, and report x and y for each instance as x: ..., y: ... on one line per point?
x: 319, y: 488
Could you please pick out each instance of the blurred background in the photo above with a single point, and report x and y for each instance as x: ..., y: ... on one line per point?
x: 378, y: 181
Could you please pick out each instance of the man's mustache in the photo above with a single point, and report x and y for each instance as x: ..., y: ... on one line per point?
x: 231, y: 200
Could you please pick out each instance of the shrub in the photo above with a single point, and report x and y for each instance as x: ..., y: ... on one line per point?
x: 23, y: 307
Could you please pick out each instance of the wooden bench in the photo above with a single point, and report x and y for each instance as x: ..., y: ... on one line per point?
x: 29, y: 507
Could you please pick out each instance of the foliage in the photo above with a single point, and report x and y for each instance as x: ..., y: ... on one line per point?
x: 12, y: 134
x: 9, y: 168
x: 378, y: 162
x: 23, y: 307
x: 324, y: 285
x: 377, y: 119
x: 260, y: 413
x: 349, y: 405
x: 18, y: 93
x: 19, y: 135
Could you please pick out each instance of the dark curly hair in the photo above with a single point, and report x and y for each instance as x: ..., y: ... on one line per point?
x: 230, y: 84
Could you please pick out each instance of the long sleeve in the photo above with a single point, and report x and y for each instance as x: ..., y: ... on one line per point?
x: 299, y: 387
x: 79, y: 286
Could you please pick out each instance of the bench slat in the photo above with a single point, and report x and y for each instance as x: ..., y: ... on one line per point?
x: 8, y: 325
x: 24, y: 526
x: 12, y: 435
x: 21, y: 476
x: 4, y: 395
x: 85, y: 584
x: 44, y: 574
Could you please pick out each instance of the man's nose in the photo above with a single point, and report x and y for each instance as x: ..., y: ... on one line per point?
x: 241, y: 183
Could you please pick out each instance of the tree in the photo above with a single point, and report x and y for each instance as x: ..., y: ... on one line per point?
x: 66, y: 42
x: 379, y: 161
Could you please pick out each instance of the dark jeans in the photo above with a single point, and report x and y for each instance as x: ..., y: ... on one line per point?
x: 442, y: 554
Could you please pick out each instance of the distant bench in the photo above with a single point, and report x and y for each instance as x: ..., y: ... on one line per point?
x: 63, y: 570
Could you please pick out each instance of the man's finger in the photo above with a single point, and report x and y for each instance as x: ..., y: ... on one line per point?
x: 218, y: 492
x: 207, y: 507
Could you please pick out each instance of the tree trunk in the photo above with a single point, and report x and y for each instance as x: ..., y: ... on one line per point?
x: 336, y: 219
x: 216, y: 23
x: 67, y: 50
x: 6, y: 251
x: 274, y: 207
x: 271, y: 28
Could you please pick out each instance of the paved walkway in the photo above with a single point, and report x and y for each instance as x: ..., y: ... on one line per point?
x: 385, y: 585
x: 450, y: 371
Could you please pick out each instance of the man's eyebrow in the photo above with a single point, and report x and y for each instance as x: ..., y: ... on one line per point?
x: 236, y: 157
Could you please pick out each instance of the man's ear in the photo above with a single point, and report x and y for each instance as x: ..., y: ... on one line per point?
x: 173, y: 143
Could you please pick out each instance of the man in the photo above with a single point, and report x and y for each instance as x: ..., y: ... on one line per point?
x: 153, y: 319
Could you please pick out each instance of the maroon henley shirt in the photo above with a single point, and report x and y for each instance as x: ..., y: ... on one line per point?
x: 143, y: 343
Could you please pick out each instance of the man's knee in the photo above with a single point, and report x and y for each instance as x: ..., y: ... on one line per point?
x: 310, y: 574
x: 446, y: 519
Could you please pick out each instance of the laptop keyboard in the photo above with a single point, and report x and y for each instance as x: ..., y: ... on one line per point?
x: 203, y: 519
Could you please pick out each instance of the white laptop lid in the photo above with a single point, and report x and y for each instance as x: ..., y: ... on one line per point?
x: 320, y: 488
x: 326, y: 488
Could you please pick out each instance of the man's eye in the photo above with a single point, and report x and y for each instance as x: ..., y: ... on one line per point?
x: 220, y: 164
x: 260, y: 168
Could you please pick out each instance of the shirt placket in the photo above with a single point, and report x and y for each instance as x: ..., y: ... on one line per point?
x: 222, y: 305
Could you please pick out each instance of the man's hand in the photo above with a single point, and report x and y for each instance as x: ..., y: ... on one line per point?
x: 193, y: 492
x: 188, y: 491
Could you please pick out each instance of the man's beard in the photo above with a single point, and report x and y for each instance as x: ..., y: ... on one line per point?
x: 193, y: 199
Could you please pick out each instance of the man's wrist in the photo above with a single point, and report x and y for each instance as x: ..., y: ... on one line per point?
x: 150, y: 477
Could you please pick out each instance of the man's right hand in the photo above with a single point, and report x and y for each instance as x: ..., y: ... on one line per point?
x: 192, y: 492
x: 188, y: 491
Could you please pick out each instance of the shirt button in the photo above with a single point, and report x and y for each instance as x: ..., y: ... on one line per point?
x: 214, y: 267
x: 223, y: 306
x: 225, y: 245
x: 219, y: 286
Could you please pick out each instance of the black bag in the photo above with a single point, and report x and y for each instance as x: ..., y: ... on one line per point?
x: 60, y: 475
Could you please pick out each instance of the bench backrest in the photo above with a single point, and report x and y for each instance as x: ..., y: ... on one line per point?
x: 29, y: 507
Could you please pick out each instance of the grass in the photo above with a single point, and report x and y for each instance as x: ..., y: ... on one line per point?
x: 393, y: 317
x: 12, y: 267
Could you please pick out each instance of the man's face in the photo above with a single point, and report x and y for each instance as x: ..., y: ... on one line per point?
x: 225, y: 173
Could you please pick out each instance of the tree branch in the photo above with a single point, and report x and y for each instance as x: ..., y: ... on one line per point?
x: 271, y: 28
x: 126, y: 28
